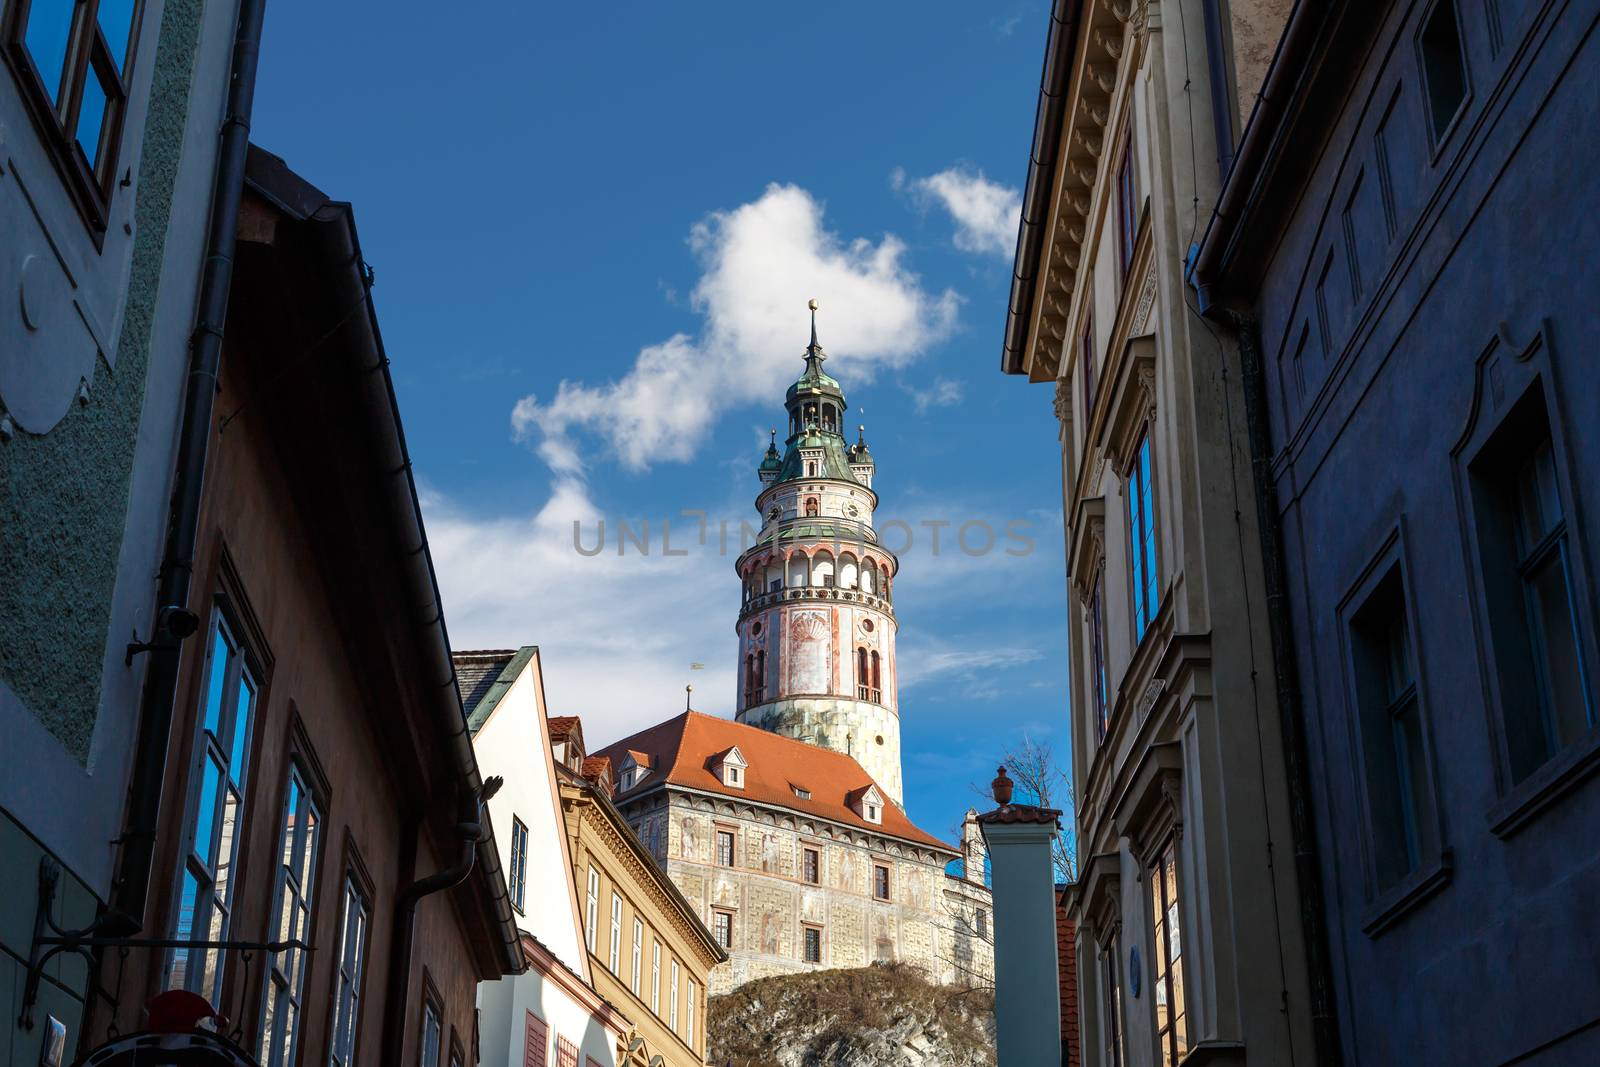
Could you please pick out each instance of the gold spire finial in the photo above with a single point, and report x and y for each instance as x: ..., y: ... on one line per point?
x: 812, y: 304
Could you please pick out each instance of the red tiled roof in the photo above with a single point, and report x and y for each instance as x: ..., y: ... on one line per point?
x: 685, y: 746
x: 562, y: 726
x: 1022, y: 813
x: 640, y: 758
x: 594, y: 766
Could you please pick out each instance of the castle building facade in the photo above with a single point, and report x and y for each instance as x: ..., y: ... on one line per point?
x: 785, y: 828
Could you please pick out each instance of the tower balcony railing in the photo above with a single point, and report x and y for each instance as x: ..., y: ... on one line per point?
x: 765, y: 600
x: 867, y: 692
x: 828, y: 528
x: 752, y: 697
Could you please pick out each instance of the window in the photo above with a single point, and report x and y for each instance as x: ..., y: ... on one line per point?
x: 811, y: 865
x: 73, y: 60
x: 688, y: 1020
x: 1112, y: 1002
x: 873, y: 813
x: 1127, y: 203
x: 519, y: 863
x: 1546, y: 702
x: 1399, y: 794
x: 432, y: 1035
x: 1086, y: 347
x: 457, y: 1059
x: 655, y: 978
x: 672, y: 1019
x: 722, y: 928
x: 1444, y: 67
x: 803, y: 794
x: 638, y: 953
x: 982, y: 919
x: 616, y: 935
x: 293, y: 899
x: 1166, y: 970
x: 591, y: 912
x: 813, y: 944
x: 1097, y: 657
x: 724, y: 848
x: 880, y: 881
x: 733, y: 776
x: 357, y: 914
x: 216, y: 813
x: 1142, y: 539
x: 566, y: 1053
x: 535, y: 1049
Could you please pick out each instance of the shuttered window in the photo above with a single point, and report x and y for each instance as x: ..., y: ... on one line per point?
x: 538, y: 1037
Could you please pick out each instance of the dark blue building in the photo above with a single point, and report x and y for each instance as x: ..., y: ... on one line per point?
x: 1406, y: 254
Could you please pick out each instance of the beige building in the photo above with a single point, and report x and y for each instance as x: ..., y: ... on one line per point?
x: 794, y: 857
x: 1192, y: 942
x: 649, y: 954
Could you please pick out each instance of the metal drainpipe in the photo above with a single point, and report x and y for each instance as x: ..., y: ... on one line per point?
x: 173, y: 622
x: 471, y: 830
x: 1313, y: 917
x: 1217, y: 70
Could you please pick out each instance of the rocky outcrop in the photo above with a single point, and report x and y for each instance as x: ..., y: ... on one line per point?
x: 886, y: 1015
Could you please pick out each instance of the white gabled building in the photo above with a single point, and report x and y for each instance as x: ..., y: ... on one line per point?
x: 553, y: 1003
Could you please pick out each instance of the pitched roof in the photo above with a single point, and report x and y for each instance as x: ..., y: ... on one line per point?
x: 685, y: 748
x: 563, y: 726
x: 484, y: 677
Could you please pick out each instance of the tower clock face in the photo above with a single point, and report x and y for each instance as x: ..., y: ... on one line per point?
x: 852, y: 511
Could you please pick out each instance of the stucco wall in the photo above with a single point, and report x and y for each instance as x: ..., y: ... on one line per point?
x: 921, y: 923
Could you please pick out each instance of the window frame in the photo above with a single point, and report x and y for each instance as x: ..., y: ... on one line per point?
x: 591, y: 912
x: 688, y: 1012
x: 1439, y: 136
x: 88, y: 54
x: 358, y: 884
x: 1144, y: 567
x: 1158, y: 876
x: 305, y: 787
x: 807, y: 932
x: 638, y: 953
x: 672, y: 1019
x: 1126, y: 184
x: 1099, y: 692
x: 432, y: 1004
x: 1526, y: 389
x: 614, y: 950
x: 229, y: 622
x: 722, y: 926
x: 1388, y: 575
x: 518, y: 867
x: 1113, y: 1025
x: 882, y: 882
x: 731, y: 837
x: 655, y: 977
x: 811, y: 864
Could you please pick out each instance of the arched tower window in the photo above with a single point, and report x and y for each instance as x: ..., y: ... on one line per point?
x: 877, y: 676
x: 863, y: 675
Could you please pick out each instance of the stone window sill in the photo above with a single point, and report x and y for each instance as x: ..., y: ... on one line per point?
x: 1399, y: 900
x: 1545, y: 786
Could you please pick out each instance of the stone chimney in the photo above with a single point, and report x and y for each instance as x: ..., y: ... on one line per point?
x: 972, y: 850
x: 1027, y: 983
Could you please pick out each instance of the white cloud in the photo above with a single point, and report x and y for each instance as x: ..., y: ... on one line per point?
x: 617, y: 633
x: 986, y: 213
x: 759, y: 263
x: 943, y: 393
x: 961, y: 664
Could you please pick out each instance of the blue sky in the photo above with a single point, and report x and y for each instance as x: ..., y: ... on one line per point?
x: 595, y: 229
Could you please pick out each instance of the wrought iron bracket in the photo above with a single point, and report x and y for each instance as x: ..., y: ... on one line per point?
x: 49, y: 939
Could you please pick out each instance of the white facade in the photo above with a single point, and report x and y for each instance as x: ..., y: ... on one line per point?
x: 513, y: 741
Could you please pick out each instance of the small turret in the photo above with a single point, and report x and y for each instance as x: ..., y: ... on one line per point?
x: 861, y: 464
x: 772, y: 462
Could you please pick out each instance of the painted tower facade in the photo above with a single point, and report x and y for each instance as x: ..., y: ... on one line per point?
x: 816, y: 624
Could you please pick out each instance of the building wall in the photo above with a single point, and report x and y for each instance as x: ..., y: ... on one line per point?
x: 929, y: 919
x: 1461, y: 285
x: 317, y: 709
x: 83, y: 481
x: 514, y: 742
x: 600, y: 840
x: 1188, y: 761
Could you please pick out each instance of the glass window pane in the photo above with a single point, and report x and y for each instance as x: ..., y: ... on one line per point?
x: 226, y: 842
x: 1538, y: 501
x: 220, y: 654
x: 188, y: 898
x: 116, y: 22
x: 205, y: 835
x: 1550, y: 584
x: 46, y: 36
x: 241, y: 725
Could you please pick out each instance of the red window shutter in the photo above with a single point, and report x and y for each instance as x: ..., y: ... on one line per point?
x: 533, y: 1053
x: 566, y: 1053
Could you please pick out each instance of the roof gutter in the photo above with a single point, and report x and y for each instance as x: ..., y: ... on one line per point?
x: 336, y: 239
x: 1284, y: 84
x: 174, y: 621
x: 1042, y: 164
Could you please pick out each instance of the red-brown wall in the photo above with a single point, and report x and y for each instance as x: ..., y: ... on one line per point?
x: 1067, y: 960
x: 255, y: 548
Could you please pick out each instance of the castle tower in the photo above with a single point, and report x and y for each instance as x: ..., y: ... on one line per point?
x: 816, y: 625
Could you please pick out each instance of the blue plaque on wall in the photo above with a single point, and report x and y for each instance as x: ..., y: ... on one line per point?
x: 1133, y: 971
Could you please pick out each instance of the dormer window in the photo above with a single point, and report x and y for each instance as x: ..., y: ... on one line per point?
x: 868, y: 803
x: 635, y: 769
x: 730, y: 768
